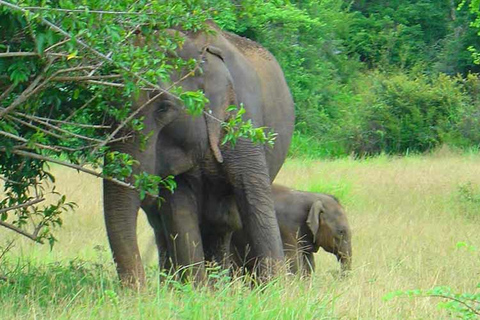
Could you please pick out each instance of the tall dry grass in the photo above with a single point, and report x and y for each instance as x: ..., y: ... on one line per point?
x: 407, y: 216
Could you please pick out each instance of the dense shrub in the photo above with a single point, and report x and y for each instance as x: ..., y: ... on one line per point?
x: 369, y: 77
x: 400, y: 112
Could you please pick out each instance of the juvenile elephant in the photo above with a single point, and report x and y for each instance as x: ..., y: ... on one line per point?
x: 209, y: 175
x: 307, y: 222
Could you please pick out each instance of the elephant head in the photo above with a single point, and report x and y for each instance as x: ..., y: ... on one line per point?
x: 329, y: 225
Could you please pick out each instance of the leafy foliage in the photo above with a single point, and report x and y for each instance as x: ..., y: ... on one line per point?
x: 235, y: 128
x: 335, y: 54
x: 461, y: 305
x: 68, y: 73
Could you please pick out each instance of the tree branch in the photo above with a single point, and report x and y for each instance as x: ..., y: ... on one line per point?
x: 469, y: 307
x: 74, y: 166
x: 56, y: 45
x: 8, y: 91
x: 23, y: 205
x: 120, y: 85
x: 86, y: 78
x: 87, y: 47
x: 26, y: 93
x: 38, y: 145
x: 53, y: 127
x: 80, y: 125
x: 17, y: 54
x: 35, y: 127
x: 18, y: 230
x: 89, y: 11
x: 9, y: 181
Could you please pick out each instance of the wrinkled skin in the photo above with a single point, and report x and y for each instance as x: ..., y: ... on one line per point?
x: 307, y: 222
x: 210, y: 176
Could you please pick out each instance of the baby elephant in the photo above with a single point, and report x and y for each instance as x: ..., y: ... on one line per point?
x: 307, y: 222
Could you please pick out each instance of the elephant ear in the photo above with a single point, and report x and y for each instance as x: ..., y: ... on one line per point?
x: 219, y: 90
x: 313, y: 219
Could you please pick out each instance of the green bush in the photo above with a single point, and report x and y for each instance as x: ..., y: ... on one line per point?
x: 468, y: 199
x: 398, y: 113
x: 367, y: 78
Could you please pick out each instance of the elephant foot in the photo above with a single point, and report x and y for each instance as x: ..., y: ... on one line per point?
x: 194, y: 274
x: 266, y: 269
x: 135, y: 280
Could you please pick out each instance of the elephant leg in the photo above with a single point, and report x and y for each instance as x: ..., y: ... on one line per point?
x: 247, y: 171
x: 219, y: 220
x: 160, y: 231
x: 121, y: 208
x: 180, y: 213
x: 240, y: 251
x: 217, y: 246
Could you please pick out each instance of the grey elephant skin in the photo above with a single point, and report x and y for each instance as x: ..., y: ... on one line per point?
x: 210, y: 176
x: 307, y: 222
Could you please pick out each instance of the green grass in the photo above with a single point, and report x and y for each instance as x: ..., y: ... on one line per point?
x: 408, y: 216
x: 86, y: 290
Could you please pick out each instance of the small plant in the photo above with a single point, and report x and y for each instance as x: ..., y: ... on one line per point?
x: 460, y: 305
x: 468, y: 196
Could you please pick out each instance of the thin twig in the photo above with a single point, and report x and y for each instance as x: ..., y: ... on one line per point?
x: 30, y: 125
x: 109, y: 84
x: 26, y: 93
x: 86, y: 78
x: 17, y: 54
x: 27, y: 124
x: 30, y: 54
x: 75, y: 124
x: 76, y: 167
x: 457, y: 300
x: 84, y: 106
x: 39, y: 145
x: 9, y: 181
x: 23, y: 205
x: 53, y: 127
x: 87, y: 10
x: 34, y: 86
x: 8, y: 91
x: 18, y: 230
x: 56, y: 45
x: 72, y: 69
x: 6, y: 249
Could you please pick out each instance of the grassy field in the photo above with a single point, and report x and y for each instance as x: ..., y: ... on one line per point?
x: 407, y: 214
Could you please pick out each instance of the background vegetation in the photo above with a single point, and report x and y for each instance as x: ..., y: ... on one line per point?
x: 371, y: 76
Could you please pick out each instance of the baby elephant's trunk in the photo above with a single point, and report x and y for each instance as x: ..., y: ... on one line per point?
x: 345, y: 258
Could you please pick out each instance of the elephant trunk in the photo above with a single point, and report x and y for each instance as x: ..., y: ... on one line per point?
x: 345, y: 257
x: 248, y: 173
x: 121, y: 207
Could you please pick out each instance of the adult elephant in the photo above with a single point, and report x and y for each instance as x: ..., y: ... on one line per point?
x: 209, y: 176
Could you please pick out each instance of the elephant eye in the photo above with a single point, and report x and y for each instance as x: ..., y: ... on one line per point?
x: 163, y: 106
